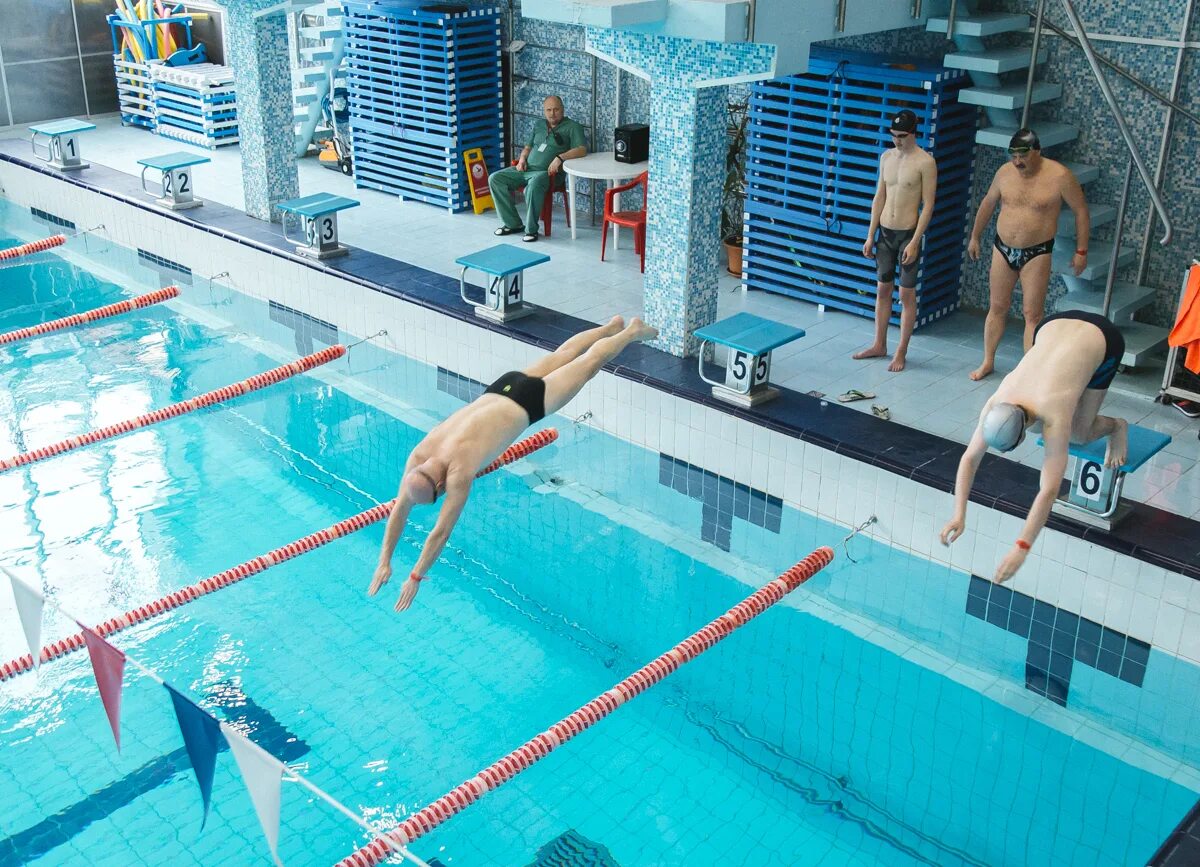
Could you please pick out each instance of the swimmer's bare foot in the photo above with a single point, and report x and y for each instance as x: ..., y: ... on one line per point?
x: 875, y: 351
x: 982, y: 372
x: 1118, y: 444
x: 642, y: 331
x: 897, y: 364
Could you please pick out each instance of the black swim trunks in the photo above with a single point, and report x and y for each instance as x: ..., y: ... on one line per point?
x: 529, y: 392
x: 888, y: 249
x: 1114, y: 344
x: 1018, y: 257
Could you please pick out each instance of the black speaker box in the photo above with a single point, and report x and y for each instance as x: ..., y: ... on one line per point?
x: 632, y: 143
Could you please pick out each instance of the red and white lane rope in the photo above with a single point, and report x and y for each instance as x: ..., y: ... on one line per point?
x: 254, y: 383
x: 252, y: 567
x: 75, y: 319
x: 33, y: 247
x: 493, y: 776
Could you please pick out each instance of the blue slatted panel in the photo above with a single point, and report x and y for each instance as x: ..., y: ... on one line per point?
x: 812, y: 165
x: 424, y: 87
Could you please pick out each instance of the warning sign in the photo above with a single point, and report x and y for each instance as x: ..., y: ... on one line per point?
x: 481, y: 197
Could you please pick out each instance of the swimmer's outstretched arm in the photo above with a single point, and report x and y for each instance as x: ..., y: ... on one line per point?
x: 1056, y: 445
x: 963, y: 482
x: 395, y: 526
x: 458, y: 488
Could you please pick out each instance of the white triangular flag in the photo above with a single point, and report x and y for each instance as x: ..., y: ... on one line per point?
x: 262, y: 773
x: 30, y: 603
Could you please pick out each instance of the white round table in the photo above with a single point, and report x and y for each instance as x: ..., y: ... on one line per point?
x: 599, y: 167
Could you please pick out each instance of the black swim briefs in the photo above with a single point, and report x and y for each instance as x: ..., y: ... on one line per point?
x: 528, y: 392
x: 1114, y: 344
x: 888, y: 250
x: 1018, y: 257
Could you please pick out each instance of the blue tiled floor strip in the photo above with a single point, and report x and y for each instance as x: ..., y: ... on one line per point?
x: 1182, y: 848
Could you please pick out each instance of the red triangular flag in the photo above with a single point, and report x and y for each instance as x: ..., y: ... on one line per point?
x: 108, y: 665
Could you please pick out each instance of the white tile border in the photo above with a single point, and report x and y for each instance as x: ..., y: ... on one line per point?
x: 1145, y: 601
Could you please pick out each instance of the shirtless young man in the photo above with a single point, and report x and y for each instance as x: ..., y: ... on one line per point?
x: 907, y: 183
x: 1060, y: 383
x: 1030, y: 190
x: 470, y: 439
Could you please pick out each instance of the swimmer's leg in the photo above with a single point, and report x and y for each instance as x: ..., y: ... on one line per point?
x: 1088, y: 425
x: 1001, y: 279
x: 565, y: 382
x: 1035, y: 277
x: 574, y: 347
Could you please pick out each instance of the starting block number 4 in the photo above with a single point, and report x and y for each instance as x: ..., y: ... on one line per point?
x: 510, y: 286
x: 744, y: 371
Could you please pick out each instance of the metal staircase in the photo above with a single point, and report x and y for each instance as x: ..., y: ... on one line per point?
x: 999, y: 76
x: 316, y: 67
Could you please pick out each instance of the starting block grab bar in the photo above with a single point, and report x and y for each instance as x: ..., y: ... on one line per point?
x: 1095, y: 494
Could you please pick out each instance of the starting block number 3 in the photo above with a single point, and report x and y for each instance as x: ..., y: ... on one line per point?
x: 321, y: 232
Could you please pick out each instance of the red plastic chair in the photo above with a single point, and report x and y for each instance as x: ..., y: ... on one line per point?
x: 558, y: 184
x: 635, y: 220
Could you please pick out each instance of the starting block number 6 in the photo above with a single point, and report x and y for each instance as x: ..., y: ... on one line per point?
x: 1089, y: 480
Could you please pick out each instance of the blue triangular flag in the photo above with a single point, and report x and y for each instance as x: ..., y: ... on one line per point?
x: 201, y: 734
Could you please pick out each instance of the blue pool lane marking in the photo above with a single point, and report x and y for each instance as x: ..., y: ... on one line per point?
x: 239, y: 710
x: 722, y: 499
x: 306, y: 328
x: 457, y: 385
x: 1057, y: 639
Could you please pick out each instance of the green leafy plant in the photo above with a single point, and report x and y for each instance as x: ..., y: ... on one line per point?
x: 733, y: 193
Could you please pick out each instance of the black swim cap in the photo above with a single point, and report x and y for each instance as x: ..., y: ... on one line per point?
x: 1025, y: 138
x: 903, y: 121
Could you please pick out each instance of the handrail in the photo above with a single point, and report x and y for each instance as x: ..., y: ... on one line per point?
x: 1152, y: 191
x: 1130, y: 77
x: 1037, y: 41
x: 1111, y: 279
x: 950, y: 19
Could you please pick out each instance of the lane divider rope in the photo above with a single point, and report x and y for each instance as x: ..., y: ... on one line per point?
x: 237, y: 389
x: 33, y: 247
x: 74, y: 642
x: 93, y: 315
x: 500, y: 772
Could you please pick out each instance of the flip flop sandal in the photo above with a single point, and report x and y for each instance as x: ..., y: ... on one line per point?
x: 504, y: 230
x: 854, y: 394
x: 881, y: 412
x: 529, y: 239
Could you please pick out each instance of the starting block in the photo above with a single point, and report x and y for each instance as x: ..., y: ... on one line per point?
x: 318, y: 219
x: 62, y: 143
x: 503, y: 299
x: 750, y: 340
x: 1095, y: 495
x: 176, y: 171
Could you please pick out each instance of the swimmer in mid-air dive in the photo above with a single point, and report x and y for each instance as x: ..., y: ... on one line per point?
x: 1060, y: 383
x: 450, y: 455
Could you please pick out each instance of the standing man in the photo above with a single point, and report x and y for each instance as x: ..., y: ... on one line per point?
x: 1030, y: 190
x: 554, y: 140
x: 901, y: 210
x: 1060, y: 383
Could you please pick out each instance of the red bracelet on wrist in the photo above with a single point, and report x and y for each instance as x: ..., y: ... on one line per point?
x: 1081, y: 252
x: 413, y: 576
x: 1023, y: 545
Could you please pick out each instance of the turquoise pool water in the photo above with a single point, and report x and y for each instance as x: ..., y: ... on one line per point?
x: 866, y: 723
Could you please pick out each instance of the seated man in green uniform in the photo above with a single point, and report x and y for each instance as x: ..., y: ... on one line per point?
x: 556, y: 139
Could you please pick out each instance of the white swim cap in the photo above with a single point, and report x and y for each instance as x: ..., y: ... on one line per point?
x: 1004, y: 426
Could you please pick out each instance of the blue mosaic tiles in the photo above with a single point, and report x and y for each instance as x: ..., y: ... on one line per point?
x: 258, y: 51
x: 47, y: 217
x: 1057, y: 639
x: 723, y: 500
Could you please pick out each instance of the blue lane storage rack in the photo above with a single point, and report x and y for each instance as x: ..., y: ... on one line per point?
x: 196, y: 104
x: 425, y: 85
x: 812, y: 164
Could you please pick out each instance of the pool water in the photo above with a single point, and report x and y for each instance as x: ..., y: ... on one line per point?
x: 809, y: 737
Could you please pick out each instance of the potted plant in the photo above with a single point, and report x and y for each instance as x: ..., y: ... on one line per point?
x: 733, y: 192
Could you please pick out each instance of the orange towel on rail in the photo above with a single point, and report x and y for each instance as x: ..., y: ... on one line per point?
x: 1187, y: 324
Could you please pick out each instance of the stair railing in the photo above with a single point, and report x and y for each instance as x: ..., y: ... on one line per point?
x: 1111, y: 279
x: 950, y: 16
x: 1135, y: 155
x: 1038, y: 20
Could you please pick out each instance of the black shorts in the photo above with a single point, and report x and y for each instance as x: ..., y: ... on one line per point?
x: 528, y: 392
x: 1114, y: 344
x: 888, y: 249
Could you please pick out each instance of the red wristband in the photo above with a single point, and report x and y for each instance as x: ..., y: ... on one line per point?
x: 1023, y: 545
x: 413, y: 576
x: 1081, y: 252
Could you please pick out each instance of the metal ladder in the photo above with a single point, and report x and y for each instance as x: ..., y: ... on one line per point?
x: 316, y: 65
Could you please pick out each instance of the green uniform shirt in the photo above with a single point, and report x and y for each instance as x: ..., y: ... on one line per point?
x: 544, y: 145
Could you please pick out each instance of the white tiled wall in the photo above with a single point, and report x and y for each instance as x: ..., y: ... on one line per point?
x: 1147, y: 602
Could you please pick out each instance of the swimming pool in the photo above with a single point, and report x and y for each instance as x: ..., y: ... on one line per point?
x: 870, y: 719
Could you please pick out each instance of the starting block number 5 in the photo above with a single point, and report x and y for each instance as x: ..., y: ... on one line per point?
x: 745, y: 371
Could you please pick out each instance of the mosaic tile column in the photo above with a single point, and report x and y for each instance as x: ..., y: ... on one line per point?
x: 687, y: 164
x: 258, y: 52
x: 683, y: 212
